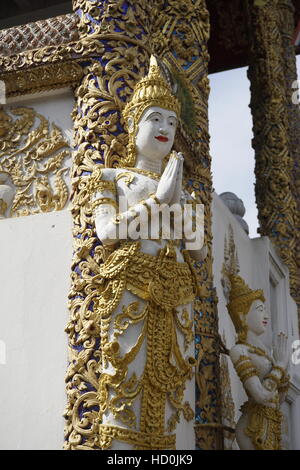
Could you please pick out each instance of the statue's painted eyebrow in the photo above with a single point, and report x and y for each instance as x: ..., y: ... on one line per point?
x: 152, y: 114
x: 157, y: 112
x: 259, y: 306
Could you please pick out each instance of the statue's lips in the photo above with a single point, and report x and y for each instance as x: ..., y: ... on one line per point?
x: 161, y: 138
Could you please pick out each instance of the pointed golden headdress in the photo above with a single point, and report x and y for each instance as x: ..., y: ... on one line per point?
x: 240, y: 300
x: 152, y: 90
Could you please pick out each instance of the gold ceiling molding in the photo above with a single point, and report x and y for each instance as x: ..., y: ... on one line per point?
x: 42, y: 78
x: 54, y: 66
x: 86, y: 47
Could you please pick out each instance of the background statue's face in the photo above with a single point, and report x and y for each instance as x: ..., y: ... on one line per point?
x: 155, y: 134
x: 257, y: 318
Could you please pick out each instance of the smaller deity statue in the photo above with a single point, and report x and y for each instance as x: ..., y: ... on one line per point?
x: 264, y: 376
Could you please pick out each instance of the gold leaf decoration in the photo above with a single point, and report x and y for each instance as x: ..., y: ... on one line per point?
x: 33, y: 153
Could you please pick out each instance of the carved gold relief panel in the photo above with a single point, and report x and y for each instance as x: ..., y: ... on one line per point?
x: 34, y: 163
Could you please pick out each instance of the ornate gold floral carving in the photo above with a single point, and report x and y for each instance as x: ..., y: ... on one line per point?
x: 141, y: 441
x: 45, y: 77
x: 32, y: 155
x: 56, y: 66
x: 180, y: 27
x: 84, y: 48
x: 228, y: 408
x: 208, y: 427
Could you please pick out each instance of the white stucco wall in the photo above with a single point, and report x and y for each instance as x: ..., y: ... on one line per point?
x: 35, y: 255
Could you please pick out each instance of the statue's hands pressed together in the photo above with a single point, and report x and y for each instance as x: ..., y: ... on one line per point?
x: 169, y: 187
x: 178, y: 184
x: 263, y: 396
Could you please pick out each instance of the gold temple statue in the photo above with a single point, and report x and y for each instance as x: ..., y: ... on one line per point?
x: 145, y: 306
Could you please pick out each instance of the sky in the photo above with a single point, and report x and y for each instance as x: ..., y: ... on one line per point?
x: 230, y: 123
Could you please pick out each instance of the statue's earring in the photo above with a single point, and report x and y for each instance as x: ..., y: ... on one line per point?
x: 131, y: 150
x: 130, y: 125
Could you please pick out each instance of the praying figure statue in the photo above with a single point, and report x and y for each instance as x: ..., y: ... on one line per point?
x: 147, y: 387
x: 264, y: 375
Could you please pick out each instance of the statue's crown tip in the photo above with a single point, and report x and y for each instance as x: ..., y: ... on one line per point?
x: 153, y: 61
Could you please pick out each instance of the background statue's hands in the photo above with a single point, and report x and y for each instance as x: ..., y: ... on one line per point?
x: 167, y: 183
x: 261, y: 392
x: 280, y: 350
x: 265, y: 397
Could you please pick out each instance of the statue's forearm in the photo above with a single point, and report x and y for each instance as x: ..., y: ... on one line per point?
x: 112, y: 228
x: 257, y: 391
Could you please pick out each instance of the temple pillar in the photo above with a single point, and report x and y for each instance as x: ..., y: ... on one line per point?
x: 287, y: 29
x: 115, y: 36
x: 120, y: 36
x: 274, y: 121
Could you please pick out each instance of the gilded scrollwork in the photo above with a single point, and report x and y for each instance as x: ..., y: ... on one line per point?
x: 173, y: 33
x: 33, y: 155
x: 166, y: 369
x: 57, y: 66
x: 37, y: 79
x: 228, y: 408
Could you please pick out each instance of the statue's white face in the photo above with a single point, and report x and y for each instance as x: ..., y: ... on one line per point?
x: 156, y: 132
x: 257, y: 318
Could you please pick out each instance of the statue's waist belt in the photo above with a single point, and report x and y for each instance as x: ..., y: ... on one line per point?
x: 161, y: 279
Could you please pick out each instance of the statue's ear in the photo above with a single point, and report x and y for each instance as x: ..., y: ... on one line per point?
x: 130, y: 124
